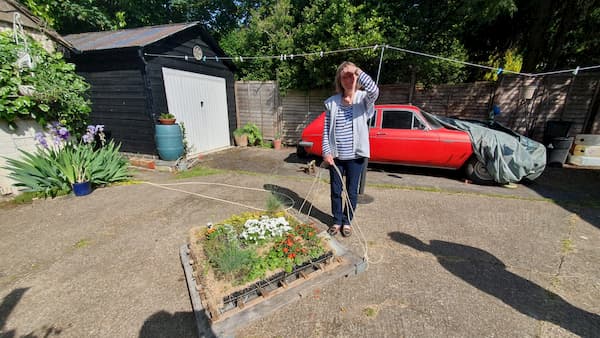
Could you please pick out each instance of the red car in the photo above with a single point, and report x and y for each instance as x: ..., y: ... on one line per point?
x: 406, y: 135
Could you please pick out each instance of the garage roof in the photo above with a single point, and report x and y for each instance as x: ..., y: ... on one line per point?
x: 135, y: 37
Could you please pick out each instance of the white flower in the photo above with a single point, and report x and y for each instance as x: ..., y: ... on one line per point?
x: 264, y: 228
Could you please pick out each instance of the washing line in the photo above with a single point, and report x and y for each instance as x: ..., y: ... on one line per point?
x: 285, y: 57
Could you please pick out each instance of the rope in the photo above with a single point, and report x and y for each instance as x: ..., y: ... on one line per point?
x: 361, y: 238
x: 166, y: 187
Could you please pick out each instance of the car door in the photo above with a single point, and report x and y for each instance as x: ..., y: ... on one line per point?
x: 402, y: 136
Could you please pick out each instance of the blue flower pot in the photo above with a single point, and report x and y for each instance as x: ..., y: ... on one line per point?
x: 82, y: 189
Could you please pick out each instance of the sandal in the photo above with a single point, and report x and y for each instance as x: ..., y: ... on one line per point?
x: 333, y: 230
x: 346, y: 231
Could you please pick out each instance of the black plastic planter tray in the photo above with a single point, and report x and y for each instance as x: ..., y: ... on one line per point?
x: 267, y: 295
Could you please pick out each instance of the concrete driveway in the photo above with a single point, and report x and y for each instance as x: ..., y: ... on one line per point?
x: 446, y: 258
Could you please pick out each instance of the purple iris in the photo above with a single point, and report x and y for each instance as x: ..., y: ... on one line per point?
x: 63, y: 133
x: 41, y: 139
x: 87, y: 138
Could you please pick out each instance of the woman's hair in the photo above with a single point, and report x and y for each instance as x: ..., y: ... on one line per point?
x: 338, y: 76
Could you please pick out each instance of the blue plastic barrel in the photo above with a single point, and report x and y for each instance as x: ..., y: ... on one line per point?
x: 169, y: 142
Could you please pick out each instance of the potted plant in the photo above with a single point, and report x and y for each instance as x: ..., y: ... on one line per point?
x: 240, y: 137
x: 255, y: 137
x: 166, y: 118
x: 277, y: 141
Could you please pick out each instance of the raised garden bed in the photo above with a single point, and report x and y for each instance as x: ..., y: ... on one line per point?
x: 250, y: 264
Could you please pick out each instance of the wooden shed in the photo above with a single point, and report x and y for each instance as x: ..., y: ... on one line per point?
x: 137, y: 74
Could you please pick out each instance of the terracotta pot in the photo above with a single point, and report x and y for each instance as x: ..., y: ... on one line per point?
x: 166, y: 121
x: 241, y: 140
x: 277, y: 144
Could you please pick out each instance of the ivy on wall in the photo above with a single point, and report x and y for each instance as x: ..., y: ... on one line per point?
x: 49, y: 90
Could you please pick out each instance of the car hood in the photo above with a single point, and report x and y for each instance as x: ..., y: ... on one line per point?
x: 508, y: 156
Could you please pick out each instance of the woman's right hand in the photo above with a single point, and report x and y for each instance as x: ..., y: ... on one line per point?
x: 328, y: 159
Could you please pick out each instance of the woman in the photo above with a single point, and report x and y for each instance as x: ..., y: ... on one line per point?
x: 346, y: 139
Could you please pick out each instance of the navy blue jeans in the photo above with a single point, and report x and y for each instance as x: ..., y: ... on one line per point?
x: 351, y: 169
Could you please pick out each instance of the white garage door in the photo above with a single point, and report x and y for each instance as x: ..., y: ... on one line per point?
x: 199, y: 101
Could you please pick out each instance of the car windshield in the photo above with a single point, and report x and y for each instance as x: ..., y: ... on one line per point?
x: 433, y: 122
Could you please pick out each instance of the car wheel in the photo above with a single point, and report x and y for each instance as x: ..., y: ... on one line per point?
x: 477, y: 172
x: 301, y: 152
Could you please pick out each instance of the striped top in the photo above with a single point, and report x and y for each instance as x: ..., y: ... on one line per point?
x: 343, y: 121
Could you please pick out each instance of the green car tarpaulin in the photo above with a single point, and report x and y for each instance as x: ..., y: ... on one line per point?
x: 508, y: 156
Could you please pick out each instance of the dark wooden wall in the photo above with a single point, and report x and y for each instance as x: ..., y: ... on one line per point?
x: 119, y: 98
x: 127, y: 88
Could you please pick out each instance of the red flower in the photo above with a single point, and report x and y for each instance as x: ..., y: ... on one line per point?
x: 285, y: 250
x: 289, y: 242
x: 291, y: 256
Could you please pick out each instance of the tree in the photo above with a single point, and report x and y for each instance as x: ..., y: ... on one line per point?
x: 298, y: 27
x: 549, y: 35
x: 77, y: 16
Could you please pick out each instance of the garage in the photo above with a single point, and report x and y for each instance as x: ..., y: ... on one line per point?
x: 200, y: 102
x: 137, y: 74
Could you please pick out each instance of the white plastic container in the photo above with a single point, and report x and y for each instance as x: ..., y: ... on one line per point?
x: 588, y: 139
x: 584, y: 160
x: 583, y: 150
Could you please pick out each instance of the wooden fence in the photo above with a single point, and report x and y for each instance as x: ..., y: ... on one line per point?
x: 526, y: 104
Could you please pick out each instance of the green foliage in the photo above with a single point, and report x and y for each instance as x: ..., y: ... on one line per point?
x: 225, y: 254
x: 107, y: 165
x: 166, y: 116
x: 56, y: 92
x: 241, y: 261
x: 274, y: 203
x: 186, y: 144
x: 277, y: 28
x: 38, y: 172
x: 53, y: 170
x: 251, y: 130
x: 197, y: 171
x: 548, y: 34
x: 78, y: 16
x: 509, y: 61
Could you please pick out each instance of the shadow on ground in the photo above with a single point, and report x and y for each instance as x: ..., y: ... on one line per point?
x: 487, y: 273
x: 300, y: 205
x: 574, y: 189
x: 179, y: 324
x: 396, y: 171
x: 7, y: 306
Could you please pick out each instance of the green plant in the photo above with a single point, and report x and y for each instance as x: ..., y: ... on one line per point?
x: 166, y: 116
x: 38, y: 172
x: 246, y: 246
x: 238, y: 132
x: 274, y: 203
x: 50, y: 170
x: 197, y: 171
x: 184, y: 141
x: 48, y: 91
x: 251, y: 130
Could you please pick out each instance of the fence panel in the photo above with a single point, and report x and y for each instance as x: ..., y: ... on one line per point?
x: 526, y: 103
